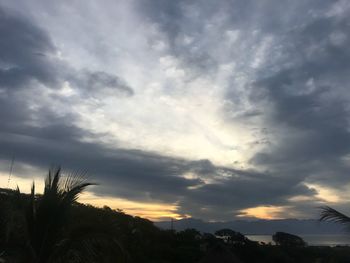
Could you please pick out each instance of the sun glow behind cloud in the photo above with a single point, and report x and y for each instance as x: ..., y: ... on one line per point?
x: 327, y: 194
x: 264, y: 212
x: 152, y: 211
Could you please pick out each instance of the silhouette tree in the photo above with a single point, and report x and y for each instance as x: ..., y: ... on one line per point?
x: 332, y: 215
x: 231, y: 236
x: 47, y: 217
x: 286, y: 239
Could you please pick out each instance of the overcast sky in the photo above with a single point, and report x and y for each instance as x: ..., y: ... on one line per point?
x: 210, y: 109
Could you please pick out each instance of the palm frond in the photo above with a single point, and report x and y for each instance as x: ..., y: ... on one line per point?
x: 56, y: 178
x: 72, y: 180
x: 72, y: 185
x: 52, y: 180
x: 32, y: 190
x: 332, y: 215
x: 18, y: 191
x: 71, y: 196
x: 49, y: 214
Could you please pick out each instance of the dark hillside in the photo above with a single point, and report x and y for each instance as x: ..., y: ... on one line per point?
x: 139, y: 240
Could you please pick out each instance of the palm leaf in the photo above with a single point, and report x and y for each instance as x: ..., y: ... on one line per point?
x: 332, y: 215
x: 49, y: 214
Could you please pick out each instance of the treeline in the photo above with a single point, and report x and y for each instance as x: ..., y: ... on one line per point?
x: 53, y: 227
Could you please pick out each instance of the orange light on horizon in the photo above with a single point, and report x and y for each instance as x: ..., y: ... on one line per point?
x: 149, y: 210
x: 264, y: 212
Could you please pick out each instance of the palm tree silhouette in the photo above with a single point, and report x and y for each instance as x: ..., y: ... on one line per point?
x: 47, y: 217
x: 332, y: 215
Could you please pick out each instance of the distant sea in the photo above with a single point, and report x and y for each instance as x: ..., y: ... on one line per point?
x: 312, y: 240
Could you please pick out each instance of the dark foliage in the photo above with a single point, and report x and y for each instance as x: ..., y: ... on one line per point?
x: 232, y: 237
x: 36, y: 228
x: 53, y: 227
x: 288, y: 240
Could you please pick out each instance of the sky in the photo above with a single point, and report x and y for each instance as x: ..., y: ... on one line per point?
x: 215, y: 110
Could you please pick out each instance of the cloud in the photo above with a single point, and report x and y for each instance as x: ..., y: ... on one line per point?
x: 33, y: 78
x: 145, y: 176
x: 297, y: 81
x: 309, y: 102
x: 99, y: 84
x: 275, y: 75
x: 25, y: 52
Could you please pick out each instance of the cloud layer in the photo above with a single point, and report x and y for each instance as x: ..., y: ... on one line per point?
x: 215, y: 108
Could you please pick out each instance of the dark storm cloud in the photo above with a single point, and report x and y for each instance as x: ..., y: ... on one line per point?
x: 225, y: 199
x: 129, y: 173
x: 311, y: 98
x: 28, y: 60
x: 24, y: 52
x: 196, y: 30
x: 140, y: 176
x: 27, y: 53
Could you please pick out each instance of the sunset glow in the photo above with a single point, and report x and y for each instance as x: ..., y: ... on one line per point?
x: 264, y: 212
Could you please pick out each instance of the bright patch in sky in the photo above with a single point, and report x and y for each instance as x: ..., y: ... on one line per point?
x: 264, y: 212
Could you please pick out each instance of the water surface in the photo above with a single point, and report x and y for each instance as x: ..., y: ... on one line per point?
x: 312, y: 240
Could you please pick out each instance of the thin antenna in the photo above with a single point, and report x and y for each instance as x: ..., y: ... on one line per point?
x: 172, y: 224
x: 11, y: 168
